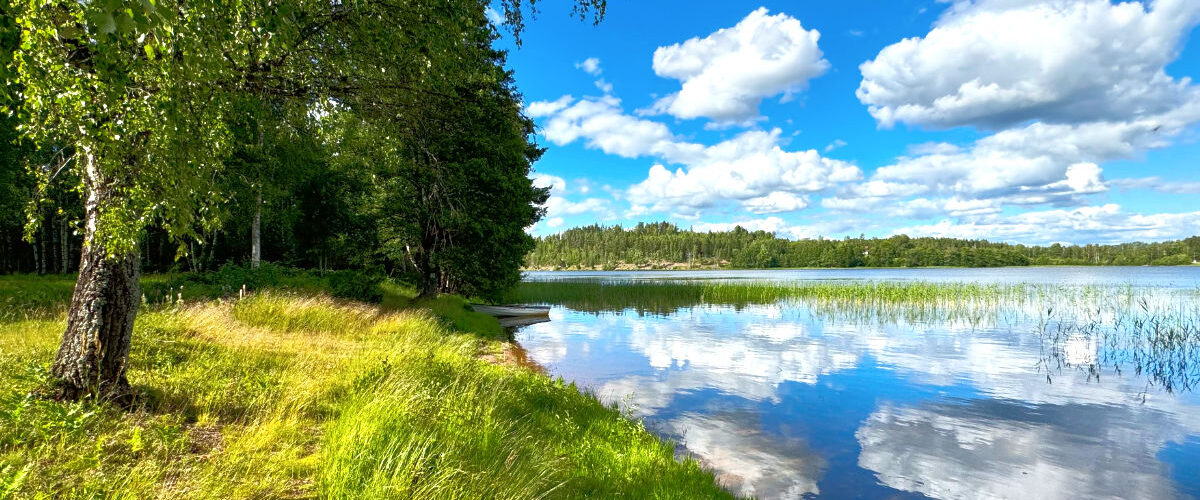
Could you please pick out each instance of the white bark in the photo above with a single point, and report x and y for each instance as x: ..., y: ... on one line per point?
x: 256, y: 232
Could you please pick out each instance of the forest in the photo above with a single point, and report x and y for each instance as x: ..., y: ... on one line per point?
x: 665, y: 245
x: 383, y: 138
x: 398, y: 152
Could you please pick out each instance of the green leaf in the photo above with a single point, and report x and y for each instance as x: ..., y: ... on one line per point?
x: 125, y: 23
x: 104, y: 21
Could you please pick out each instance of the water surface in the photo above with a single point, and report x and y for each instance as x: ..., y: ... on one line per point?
x: 1158, y: 276
x: 799, y: 398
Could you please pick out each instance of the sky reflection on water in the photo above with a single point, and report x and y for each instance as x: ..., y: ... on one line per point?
x: 785, y: 401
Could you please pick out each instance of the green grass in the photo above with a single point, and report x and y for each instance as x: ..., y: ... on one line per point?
x: 26, y: 297
x: 298, y: 395
x: 40, y: 297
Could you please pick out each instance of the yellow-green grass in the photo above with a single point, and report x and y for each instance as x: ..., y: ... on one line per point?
x: 300, y: 396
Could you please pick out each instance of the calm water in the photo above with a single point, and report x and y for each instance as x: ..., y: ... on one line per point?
x: 796, y: 399
x: 1170, y: 277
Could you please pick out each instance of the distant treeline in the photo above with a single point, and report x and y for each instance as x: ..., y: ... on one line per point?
x: 660, y: 245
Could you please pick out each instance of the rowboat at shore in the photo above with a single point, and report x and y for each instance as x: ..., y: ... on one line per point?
x: 509, y: 311
x: 519, y: 321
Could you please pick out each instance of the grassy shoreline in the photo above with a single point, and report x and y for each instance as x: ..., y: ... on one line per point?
x: 299, y: 395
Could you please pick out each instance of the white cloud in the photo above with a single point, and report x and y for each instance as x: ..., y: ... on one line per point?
x: 776, y: 202
x: 1040, y: 163
x: 1036, y: 158
x: 748, y: 166
x: 554, y: 182
x: 1104, y: 223
x: 590, y: 66
x: 994, y: 63
x: 1159, y: 184
x: 558, y: 205
x: 837, y: 143
x: 784, y: 229
x: 769, y: 224
x: 494, y: 16
x: 539, y: 109
x: 602, y: 124
x: 726, y: 74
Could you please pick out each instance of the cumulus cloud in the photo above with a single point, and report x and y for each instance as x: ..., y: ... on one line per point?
x: 1105, y: 224
x: 776, y: 202
x: 726, y: 74
x: 558, y: 205
x: 751, y: 168
x: 1039, y: 163
x: 603, y: 125
x: 539, y: 109
x: 590, y: 66
x: 769, y: 224
x: 774, y: 224
x: 995, y: 63
x: 555, y: 183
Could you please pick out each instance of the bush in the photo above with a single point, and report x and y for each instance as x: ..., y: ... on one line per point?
x: 226, y: 281
x: 355, y: 285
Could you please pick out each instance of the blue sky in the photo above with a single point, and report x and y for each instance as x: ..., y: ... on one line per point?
x: 1012, y: 120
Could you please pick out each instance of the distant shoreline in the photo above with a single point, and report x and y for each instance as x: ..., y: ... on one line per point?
x: 730, y: 268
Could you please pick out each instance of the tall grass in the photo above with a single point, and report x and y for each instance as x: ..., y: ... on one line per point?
x: 299, y: 396
x: 666, y: 297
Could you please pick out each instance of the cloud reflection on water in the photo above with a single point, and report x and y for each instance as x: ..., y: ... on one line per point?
x: 1010, y: 433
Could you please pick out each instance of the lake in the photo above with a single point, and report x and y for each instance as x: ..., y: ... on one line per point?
x: 1082, y: 387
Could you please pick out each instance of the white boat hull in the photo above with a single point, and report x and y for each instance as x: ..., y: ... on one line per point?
x: 511, y: 311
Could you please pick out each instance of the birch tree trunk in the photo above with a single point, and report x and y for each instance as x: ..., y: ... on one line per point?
x: 256, y: 232
x: 91, y: 358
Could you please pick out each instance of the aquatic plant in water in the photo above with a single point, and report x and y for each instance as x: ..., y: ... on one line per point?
x: 1151, y: 332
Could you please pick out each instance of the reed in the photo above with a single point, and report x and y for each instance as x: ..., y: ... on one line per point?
x: 1150, y: 332
x: 665, y: 297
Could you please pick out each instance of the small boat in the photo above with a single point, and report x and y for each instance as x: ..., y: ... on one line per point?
x: 512, y: 310
x: 519, y: 321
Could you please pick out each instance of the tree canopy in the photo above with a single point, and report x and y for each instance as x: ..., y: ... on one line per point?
x: 373, y: 134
